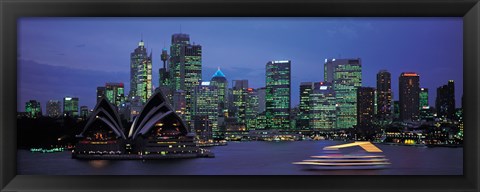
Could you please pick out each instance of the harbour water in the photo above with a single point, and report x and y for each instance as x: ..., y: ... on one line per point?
x: 248, y: 158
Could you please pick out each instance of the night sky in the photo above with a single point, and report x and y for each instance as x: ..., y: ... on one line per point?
x: 60, y: 57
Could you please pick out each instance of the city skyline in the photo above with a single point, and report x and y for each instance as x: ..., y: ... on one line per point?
x: 41, y: 82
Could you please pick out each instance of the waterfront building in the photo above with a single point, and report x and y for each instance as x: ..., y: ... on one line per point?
x: 445, y: 101
x: 384, y: 94
x: 220, y: 81
x: 140, y: 73
x: 277, y: 94
x: 251, y: 110
x: 322, y: 104
x: 70, y: 106
x: 206, y: 105
x: 185, y: 69
x: 303, y: 116
x: 424, y: 106
x: 365, y: 106
x: 239, y: 101
x: 179, y: 103
x: 409, y: 93
x: 54, y: 108
x: 346, y: 76
x: 203, y: 128
x: 33, y: 109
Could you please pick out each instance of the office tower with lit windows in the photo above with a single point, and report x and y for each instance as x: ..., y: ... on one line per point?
x: 445, y: 101
x: 251, y: 110
x: 141, y: 73
x: 303, y: 116
x: 54, y: 108
x: 365, y: 106
x: 424, y: 106
x: 322, y: 106
x: 220, y: 81
x: 115, y: 94
x: 239, y: 93
x: 384, y: 94
x: 33, y: 109
x: 409, y: 96
x: 206, y: 105
x: 261, y: 99
x: 277, y: 94
x: 70, y: 106
x: 346, y: 76
x: 185, y: 69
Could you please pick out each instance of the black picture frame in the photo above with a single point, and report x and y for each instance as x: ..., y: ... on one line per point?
x: 11, y: 10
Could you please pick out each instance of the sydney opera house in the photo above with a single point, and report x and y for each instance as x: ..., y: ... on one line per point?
x: 156, y: 133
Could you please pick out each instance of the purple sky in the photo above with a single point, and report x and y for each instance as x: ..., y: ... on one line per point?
x: 61, y: 57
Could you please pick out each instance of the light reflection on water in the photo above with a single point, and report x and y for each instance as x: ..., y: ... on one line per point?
x: 249, y: 158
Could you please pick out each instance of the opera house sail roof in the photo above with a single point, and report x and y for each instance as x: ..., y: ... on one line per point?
x: 105, y: 114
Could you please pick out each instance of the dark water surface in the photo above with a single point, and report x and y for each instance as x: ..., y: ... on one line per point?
x: 248, y: 158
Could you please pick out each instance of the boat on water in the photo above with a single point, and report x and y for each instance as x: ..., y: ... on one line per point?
x: 333, y: 159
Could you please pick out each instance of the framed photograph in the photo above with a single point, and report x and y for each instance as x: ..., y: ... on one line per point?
x: 239, y: 96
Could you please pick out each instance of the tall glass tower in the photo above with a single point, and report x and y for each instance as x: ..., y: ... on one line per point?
x: 409, y: 101
x: 220, y: 81
x: 277, y: 94
x: 33, y: 109
x: 185, y: 70
x: 70, y: 106
x: 445, y: 101
x: 206, y: 105
x: 114, y: 92
x: 303, y: 117
x: 140, y: 73
x: 384, y: 94
x: 346, y: 76
x: 54, y: 108
x: 322, y: 104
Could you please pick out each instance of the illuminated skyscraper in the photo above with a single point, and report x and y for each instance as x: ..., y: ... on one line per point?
x: 365, y: 106
x: 185, y: 69
x: 140, y: 73
x: 409, y: 93
x: 445, y: 101
x: 384, y: 94
x: 424, y: 106
x: 303, y: 117
x: 220, y: 81
x: 206, y: 105
x: 114, y: 93
x: 70, y: 106
x: 322, y: 106
x: 251, y: 111
x: 33, y: 109
x: 277, y: 94
x: 54, y: 108
x: 346, y: 75
x: 239, y: 101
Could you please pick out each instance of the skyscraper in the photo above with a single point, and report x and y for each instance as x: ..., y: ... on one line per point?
x: 445, y: 101
x: 424, y: 106
x: 409, y: 88
x: 322, y: 106
x: 303, y: 117
x: 100, y: 93
x: 70, y: 106
x: 140, y: 73
x: 84, y: 112
x: 251, y: 110
x: 54, y: 108
x: 365, y: 106
x: 206, y: 105
x: 220, y: 81
x: 261, y: 99
x: 346, y: 75
x: 384, y: 94
x: 277, y: 94
x: 33, y: 109
x: 185, y: 69
x: 114, y: 93
x: 239, y: 92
